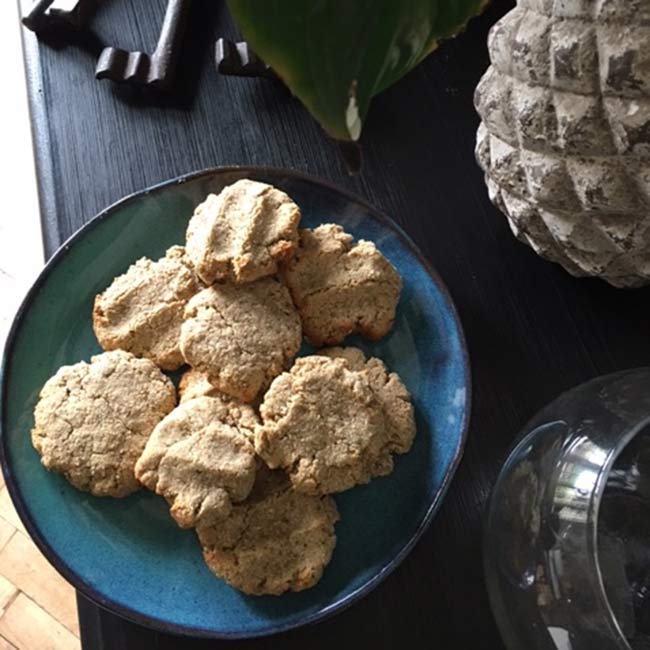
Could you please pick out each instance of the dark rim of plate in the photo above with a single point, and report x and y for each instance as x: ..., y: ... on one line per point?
x: 155, y: 623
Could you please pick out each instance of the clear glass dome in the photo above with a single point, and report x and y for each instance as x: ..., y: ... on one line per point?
x: 567, y: 537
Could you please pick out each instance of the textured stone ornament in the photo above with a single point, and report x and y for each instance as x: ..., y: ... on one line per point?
x: 565, y: 134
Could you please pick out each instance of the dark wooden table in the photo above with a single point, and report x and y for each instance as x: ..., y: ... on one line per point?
x: 533, y: 331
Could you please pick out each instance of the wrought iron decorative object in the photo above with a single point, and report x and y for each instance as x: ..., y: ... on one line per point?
x: 140, y: 68
x: 154, y: 70
x: 47, y: 15
x: 238, y: 60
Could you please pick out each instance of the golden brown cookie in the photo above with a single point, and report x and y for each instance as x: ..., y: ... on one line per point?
x: 194, y: 383
x: 241, y: 336
x: 93, y: 420
x: 391, y: 392
x: 277, y: 540
x: 340, y: 287
x: 325, y: 425
x: 142, y: 310
x: 242, y: 233
x: 201, y: 458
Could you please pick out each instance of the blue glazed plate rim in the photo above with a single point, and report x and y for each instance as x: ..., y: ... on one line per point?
x: 159, y: 624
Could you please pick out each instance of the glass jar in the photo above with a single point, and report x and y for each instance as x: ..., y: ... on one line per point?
x: 567, y: 536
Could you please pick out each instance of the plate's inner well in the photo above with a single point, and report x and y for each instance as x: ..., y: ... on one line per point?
x: 129, y: 553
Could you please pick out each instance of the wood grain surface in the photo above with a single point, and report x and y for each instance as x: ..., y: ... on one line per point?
x: 533, y: 331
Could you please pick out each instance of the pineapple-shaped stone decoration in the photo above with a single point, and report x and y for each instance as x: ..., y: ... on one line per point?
x: 565, y: 133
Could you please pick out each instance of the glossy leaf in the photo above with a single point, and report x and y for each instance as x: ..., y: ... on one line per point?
x: 335, y: 55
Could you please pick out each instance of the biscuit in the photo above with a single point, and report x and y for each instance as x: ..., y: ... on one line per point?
x: 194, y: 383
x: 242, y: 233
x: 201, y: 458
x: 391, y: 392
x: 241, y: 336
x: 340, y: 287
x: 323, y: 423
x: 93, y: 420
x: 142, y: 310
x: 277, y: 540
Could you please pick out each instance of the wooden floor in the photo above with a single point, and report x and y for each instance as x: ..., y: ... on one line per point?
x: 37, y: 606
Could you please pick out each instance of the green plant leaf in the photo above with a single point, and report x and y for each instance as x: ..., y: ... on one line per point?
x: 335, y: 55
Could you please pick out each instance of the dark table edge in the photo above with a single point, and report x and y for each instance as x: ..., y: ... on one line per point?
x: 40, y: 140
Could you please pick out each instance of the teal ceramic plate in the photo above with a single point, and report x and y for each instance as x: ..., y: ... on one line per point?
x: 127, y: 554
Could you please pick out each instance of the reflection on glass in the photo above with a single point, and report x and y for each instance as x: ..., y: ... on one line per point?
x: 567, y: 539
x: 624, y: 540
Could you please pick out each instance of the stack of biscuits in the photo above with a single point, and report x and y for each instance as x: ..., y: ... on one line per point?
x: 255, y: 442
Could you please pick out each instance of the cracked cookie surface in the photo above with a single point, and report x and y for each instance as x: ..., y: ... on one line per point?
x: 241, y: 336
x: 275, y: 541
x: 194, y: 383
x: 391, y: 392
x: 201, y: 458
x: 242, y: 233
x: 93, y: 420
x: 324, y: 424
x: 340, y: 287
x: 142, y: 310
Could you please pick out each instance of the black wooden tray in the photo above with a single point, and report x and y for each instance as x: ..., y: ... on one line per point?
x: 533, y: 331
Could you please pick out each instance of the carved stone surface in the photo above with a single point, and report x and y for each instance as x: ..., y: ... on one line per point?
x: 565, y: 133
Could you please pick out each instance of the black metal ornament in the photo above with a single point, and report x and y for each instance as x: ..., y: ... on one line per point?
x: 157, y: 69
x: 154, y: 70
x: 47, y: 15
x: 140, y: 68
x: 238, y: 60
